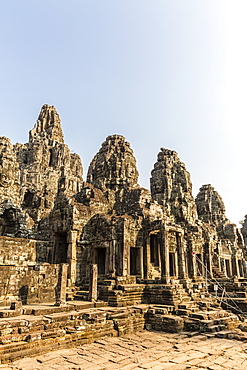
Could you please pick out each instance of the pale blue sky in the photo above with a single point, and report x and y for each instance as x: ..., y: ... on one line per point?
x: 163, y: 73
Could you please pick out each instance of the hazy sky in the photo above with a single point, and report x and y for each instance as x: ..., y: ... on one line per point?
x: 163, y: 73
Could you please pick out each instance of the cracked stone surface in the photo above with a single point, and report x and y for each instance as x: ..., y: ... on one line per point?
x: 142, y: 351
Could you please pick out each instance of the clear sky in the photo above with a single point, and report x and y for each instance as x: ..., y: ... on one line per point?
x: 163, y: 73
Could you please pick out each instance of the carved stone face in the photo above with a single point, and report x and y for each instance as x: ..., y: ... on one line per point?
x: 114, y: 165
x: 10, y: 215
x: 4, y: 180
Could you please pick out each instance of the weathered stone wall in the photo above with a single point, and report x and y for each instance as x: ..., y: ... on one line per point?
x: 17, y: 251
x: 9, y: 172
x: 23, y: 252
x: 30, y: 284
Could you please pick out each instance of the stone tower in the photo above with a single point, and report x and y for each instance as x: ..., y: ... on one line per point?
x: 47, y: 166
x: 114, y: 166
x: 171, y: 187
x: 210, y: 206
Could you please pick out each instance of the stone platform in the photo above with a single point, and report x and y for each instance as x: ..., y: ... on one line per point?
x: 35, y: 329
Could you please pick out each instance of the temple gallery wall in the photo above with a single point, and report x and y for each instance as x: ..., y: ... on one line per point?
x: 104, y: 238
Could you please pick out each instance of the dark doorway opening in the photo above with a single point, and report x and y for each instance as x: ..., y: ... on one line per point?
x: 100, y: 260
x: 190, y: 264
x: 240, y: 268
x: 228, y: 268
x: 172, y: 264
x: 154, y: 250
x: 134, y: 261
x: 61, y: 248
x: 28, y: 199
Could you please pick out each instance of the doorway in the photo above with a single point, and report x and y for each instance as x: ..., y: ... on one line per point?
x: 172, y: 264
x: 134, y: 261
x: 61, y: 248
x: 154, y: 250
x: 100, y: 260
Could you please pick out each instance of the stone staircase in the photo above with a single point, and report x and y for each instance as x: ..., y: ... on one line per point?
x: 217, y: 273
x: 121, y: 294
x: 31, y: 330
x: 211, y: 321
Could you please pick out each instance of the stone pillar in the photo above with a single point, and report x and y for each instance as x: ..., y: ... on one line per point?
x: 165, y: 266
x: 61, y: 285
x: 93, y: 294
x: 182, y: 273
x: 209, y: 263
x: 194, y: 265
x: 71, y: 256
x: 126, y: 259
x: 147, y: 259
x: 112, y: 258
x: 235, y: 266
x: 244, y: 268
x: 223, y: 266
x: 141, y: 262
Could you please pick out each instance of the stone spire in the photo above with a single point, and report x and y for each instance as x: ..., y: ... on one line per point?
x: 48, y: 125
x: 114, y: 166
x: 171, y: 186
x: 47, y: 166
x: 210, y: 206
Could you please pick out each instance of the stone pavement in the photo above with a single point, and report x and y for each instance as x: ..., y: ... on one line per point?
x: 144, y: 350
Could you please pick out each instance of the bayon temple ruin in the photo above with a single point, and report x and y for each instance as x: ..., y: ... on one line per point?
x: 107, y: 246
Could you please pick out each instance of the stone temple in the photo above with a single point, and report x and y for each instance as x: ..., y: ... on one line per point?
x: 83, y: 259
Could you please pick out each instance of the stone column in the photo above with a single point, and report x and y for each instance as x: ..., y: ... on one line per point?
x: 165, y: 266
x: 223, y: 266
x: 244, y: 268
x: 182, y: 273
x: 112, y: 258
x: 235, y: 266
x: 61, y: 285
x: 71, y: 255
x: 147, y: 258
x: 141, y: 262
x: 209, y: 263
x: 93, y: 294
x: 194, y: 264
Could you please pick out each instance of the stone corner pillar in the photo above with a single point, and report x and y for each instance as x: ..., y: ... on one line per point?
x: 62, y: 285
x: 93, y: 293
x: 165, y: 263
x: 71, y: 255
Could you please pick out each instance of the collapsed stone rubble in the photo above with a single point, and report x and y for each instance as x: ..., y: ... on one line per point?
x: 65, y: 240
